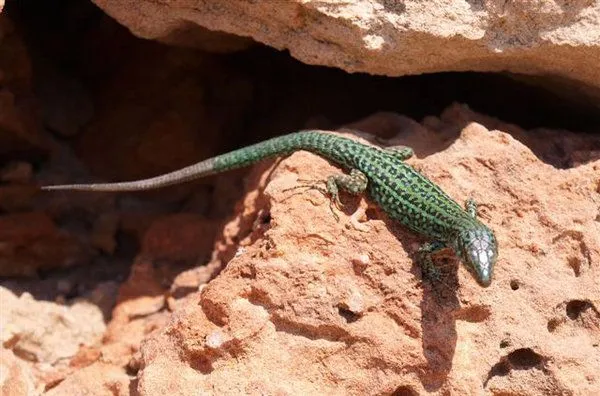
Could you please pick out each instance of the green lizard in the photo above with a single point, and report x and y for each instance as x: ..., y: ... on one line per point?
x: 402, y: 192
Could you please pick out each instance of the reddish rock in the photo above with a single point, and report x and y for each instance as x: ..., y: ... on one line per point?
x: 15, y: 377
x: 20, y: 129
x: 31, y: 242
x: 157, y: 117
x: 98, y: 379
x: 190, y: 280
x: 103, y: 235
x: 141, y: 309
x: 309, y: 305
x: 66, y: 106
x: 19, y: 172
x: 17, y: 197
x: 179, y: 237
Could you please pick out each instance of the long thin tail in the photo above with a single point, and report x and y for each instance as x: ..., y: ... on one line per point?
x: 282, y: 145
x: 188, y: 173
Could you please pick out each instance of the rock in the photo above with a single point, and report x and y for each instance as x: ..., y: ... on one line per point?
x: 17, y: 172
x: 395, y: 38
x: 46, y: 332
x: 208, y: 40
x: 20, y: 129
x: 140, y: 310
x: 190, y: 280
x: 17, y: 197
x: 65, y: 104
x: 31, y: 242
x: 309, y: 305
x: 190, y: 100
x: 178, y: 237
x: 177, y: 242
x: 560, y: 148
x: 104, y: 233
x: 15, y: 377
x: 98, y: 379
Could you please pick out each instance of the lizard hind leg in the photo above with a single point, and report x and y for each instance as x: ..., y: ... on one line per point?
x: 355, y: 183
x: 400, y: 152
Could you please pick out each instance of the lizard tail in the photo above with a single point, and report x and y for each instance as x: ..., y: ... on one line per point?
x: 330, y: 146
x: 188, y: 173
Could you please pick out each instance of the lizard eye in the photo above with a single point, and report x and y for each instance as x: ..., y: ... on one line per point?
x: 479, y: 251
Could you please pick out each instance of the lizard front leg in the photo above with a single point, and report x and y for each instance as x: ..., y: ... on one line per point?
x: 424, y: 258
x: 355, y: 183
x: 471, y: 207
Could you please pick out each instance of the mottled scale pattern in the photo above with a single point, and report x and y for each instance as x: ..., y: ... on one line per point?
x: 397, y: 188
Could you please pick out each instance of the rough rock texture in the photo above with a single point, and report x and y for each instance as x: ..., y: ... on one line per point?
x: 15, y: 377
x: 190, y: 91
x: 305, y: 304
x: 178, y: 237
x: 48, y: 334
x: 96, y: 380
x: 20, y: 134
x: 26, y: 249
x: 556, y: 39
x: 309, y: 305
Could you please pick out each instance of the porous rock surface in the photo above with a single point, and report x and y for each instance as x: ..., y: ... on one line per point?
x: 306, y: 304
x: 15, y: 377
x: 310, y: 305
x: 46, y: 332
x: 559, y: 40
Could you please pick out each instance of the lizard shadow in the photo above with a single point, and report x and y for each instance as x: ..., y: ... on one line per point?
x: 439, y: 301
x: 438, y: 306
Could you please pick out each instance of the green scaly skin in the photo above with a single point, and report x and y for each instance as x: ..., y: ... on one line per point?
x: 402, y: 192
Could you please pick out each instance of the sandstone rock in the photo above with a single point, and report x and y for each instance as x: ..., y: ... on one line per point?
x: 18, y: 172
x: 15, y: 377
x: 178, y: 237
x: 65, y: 104
x: 104, y: 233
x: 190, y: 280
x: 17, y: 197
x: 46, y: 332
x: 394, y: 38
x: 96, y: 380
x: 20, y: 132
x: 207, y: 40
x: 31, y: 242
x: 190, y: 92
x: 309, y: 305
x: 141, y: 309
x: 177, y: 242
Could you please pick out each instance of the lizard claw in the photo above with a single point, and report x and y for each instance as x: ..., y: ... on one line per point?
x: 338, y: 204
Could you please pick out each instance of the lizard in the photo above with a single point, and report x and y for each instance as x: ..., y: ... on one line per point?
x: 402, y: 192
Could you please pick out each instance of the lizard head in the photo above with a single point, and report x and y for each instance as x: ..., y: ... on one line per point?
x: 478, y: 249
